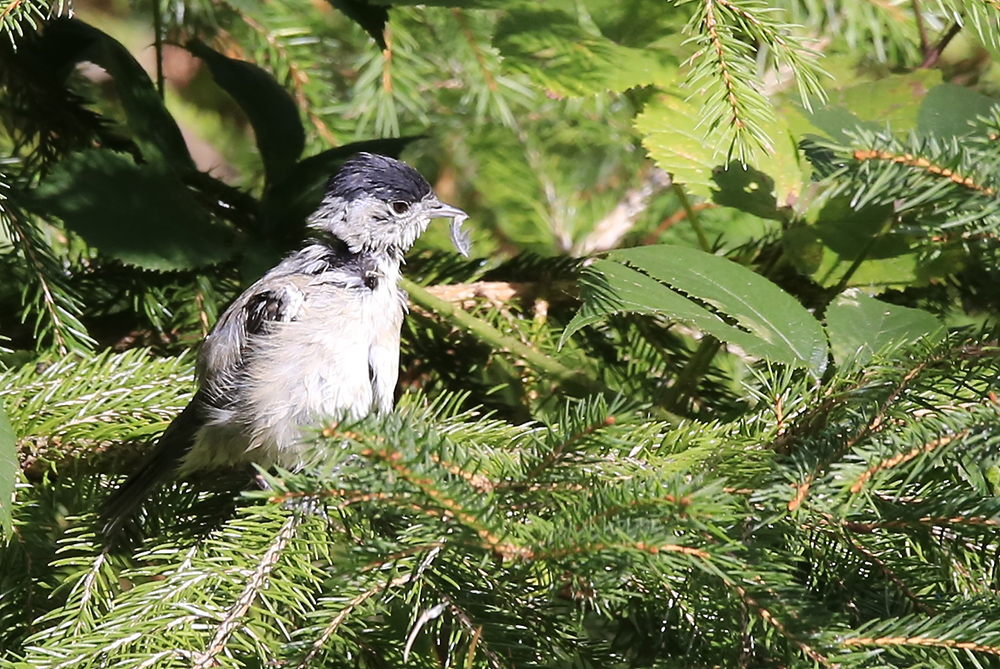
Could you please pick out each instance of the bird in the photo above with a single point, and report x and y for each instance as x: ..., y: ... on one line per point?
x: 316, y: 337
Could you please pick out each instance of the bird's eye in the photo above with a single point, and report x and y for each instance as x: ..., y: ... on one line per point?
x: 400, y: 207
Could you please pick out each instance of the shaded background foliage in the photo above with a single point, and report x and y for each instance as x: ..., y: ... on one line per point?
x: 759, y: 429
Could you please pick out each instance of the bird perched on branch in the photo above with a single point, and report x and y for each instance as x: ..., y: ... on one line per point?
x: 317, y: 336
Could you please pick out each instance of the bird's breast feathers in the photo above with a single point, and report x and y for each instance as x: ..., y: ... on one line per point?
x: 320, y: 346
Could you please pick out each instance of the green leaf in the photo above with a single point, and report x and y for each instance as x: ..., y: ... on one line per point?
x: 672, y: 134
x: 713, y: 294
x: 9, y: 469
x: 139, y: 214
x: 950, y: 110
x: 893, y: 101
x: 369, y: 15
x: 842, y: 235
x: 271, y: 110
x: 861, y: 326
x: 747, y: 189
x: 71, y: 41
x: 557, y: 53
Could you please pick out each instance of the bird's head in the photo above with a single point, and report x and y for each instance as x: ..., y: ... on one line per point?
x: 377, y: 204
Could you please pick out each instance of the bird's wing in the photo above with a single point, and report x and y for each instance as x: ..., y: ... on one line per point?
x: 223, y: 355
x: 220, y: 361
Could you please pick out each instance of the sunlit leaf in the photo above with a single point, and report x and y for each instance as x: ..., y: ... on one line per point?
x: 675, y: 139
x: 712, y: 294
x: 861, y: 326
x: 9, y: 469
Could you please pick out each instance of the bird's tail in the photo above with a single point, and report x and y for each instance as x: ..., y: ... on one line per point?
x: 173, y: 445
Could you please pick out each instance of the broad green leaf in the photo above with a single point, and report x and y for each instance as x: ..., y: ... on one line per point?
x: 271, y: 110
x: 950, y: 110
x: 914, y: 101
x: 674, y: 138
x: 372, y: 16
x: 140, y: 214
x: 9, y: 468
x: 558, y: 54
x: 71, y: 41
x: 747, y: 189
x: 861, y: 326
x: 635, y: 23
x: 893, y: 101
x: 713, y: 294
x: 841, y: 236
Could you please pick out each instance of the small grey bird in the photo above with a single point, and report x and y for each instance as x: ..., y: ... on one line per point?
x: 316, y: 337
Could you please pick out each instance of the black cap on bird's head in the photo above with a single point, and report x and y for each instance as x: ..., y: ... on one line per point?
x: 378, y: 204
x: 385, y: 178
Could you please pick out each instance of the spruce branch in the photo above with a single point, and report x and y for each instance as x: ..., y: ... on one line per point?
x: 724, y: 63
x: 983, y: 16
x: 883, y: 29
x: 351, y: 606
x: 938, y: 190
x: 290, y: 63
x: 870, y: 556
x: 258, y: 580
x: 771, y: 620
x: 901, y: 458
x: 18, y: 17
x: 71, y: 403
x: 46, y: 293
x: 949, y: 631
x: 896, y: 387
x: 494, y: 337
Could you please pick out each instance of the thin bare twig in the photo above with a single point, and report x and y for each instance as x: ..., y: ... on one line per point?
x: 932, y: 56
x: 610, y: 230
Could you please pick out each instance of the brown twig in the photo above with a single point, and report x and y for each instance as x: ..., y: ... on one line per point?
x: 674, y: 219
x: 932, y: 56
x: 610, y: 230
x: 499, y: 292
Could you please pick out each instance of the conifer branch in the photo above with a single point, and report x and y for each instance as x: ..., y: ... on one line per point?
x: 802, y: 489
x: 59, y: 309
x: 891, y: 575
x: 258, y: 581
x: 487, y: 333
x: 769, y: 618
x: 904, y: 457
x: 352, y: 605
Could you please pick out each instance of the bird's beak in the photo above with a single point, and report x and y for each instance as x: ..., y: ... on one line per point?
x: 459, y: 237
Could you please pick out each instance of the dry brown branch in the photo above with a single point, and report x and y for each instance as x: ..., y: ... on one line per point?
x: 610, y: 230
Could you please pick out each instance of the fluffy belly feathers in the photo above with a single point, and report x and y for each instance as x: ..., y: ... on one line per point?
x: 336, y: 358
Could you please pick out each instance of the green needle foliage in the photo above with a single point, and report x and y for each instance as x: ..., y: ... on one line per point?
x: 760, y: 429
